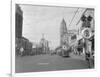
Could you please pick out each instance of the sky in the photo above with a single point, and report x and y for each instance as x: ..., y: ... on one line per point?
x: 38, y: 20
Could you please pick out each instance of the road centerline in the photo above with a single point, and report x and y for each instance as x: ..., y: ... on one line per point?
x: 42, y: 63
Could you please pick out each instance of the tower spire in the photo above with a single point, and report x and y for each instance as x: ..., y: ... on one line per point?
x: 63, y: 27
x: 63, y: 31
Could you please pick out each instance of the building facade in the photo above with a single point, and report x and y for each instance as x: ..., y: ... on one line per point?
x: 18, y: 21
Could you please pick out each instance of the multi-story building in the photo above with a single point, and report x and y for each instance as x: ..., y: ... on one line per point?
x: 23, y: 45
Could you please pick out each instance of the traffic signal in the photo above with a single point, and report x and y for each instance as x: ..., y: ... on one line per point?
x: 83, y: 18
x: 86, y: 21
x: 89, y: 18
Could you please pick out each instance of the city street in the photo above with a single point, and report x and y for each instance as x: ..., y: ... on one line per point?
x: 48, y: 63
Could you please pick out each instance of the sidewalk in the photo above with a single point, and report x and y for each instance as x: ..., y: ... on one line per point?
x: 81, y: 57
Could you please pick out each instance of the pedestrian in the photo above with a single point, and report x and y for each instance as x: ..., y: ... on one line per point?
x: 21, y: 51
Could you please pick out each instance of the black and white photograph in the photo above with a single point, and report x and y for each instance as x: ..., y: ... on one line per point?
x: 54, y: 38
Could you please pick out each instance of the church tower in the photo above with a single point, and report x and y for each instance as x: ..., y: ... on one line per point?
x: 63, y: 33
x: 63, y: 28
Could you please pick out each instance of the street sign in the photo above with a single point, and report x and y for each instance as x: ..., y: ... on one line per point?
x: 86, y: 33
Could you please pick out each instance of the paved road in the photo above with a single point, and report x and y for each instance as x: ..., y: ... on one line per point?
x: 47, y: 63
